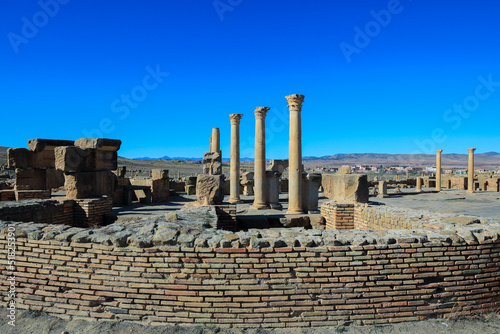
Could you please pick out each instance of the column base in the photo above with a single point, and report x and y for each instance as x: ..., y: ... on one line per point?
x: 382, y: 196
x: 276, y: 206
x: 235, y: 201
x: 294, y: 212
x: 260, y: 206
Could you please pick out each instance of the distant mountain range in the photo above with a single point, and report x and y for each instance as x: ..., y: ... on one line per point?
x: 183, y: 158
x: 451, y: 159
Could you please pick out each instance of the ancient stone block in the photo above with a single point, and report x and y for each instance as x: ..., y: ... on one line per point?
x: 106, y: 160
x: 157, y: 174
x: 18, y: 158
x: 349, y: 188
x: 160, y: 189
x: 212, y: 163
x: 89, y: 184
x: 74, y: 159
x: 101, y: 144
x: 55, y: 178
x: 278, y: 165
x: 210, y: 189
x: 38, y: 145
x: 190, y: 189
x: 191, y: 181
x: 31, y: 179
x: 310, y: 192
x: 344, y: 170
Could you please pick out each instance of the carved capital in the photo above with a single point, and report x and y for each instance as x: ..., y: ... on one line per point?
x: 471, y: 150
x: 439, y: 151
x: 260, y: 112
x: 235, y: 118
x: 295, y: 101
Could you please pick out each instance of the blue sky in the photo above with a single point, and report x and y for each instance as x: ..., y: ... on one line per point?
x: 378, y: 76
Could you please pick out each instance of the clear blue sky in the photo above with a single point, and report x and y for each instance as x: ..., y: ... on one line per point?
x: 378, y: 76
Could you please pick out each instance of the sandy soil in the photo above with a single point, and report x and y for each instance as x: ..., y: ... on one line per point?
x: 30, y: 322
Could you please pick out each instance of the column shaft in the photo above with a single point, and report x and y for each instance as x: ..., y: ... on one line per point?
x: 470, y: 176
x: 234, y: 177
x: 260, y: 160
x: 215, y: 140
x: 438, y: 170
x: 295, y: 154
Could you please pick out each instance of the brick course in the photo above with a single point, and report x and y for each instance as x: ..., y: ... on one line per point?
x: 246, y: 287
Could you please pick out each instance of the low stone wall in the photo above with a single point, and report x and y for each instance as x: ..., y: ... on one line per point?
x: 159, y: 272
x: 84, y: 212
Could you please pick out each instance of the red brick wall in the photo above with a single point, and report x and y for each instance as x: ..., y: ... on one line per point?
x: 280, y: 287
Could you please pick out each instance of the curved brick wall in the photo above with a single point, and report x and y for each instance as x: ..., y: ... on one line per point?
x: 413, y: 279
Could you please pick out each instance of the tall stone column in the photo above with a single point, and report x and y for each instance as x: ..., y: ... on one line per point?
x: 215, y: 140
x: 438, y: 170
x: 295, y: 154
x: 234, y: 177
x: 470, y: 176
x: 259, y: 187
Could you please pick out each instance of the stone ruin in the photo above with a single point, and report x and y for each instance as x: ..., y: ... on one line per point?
x: 87, y: 170
x: 210, y: 184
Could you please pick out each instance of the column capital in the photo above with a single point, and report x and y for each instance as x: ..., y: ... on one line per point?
x: 295, y: 101
x: 439, y: 151
x: 235, y: 118
x: 260, y: 112
x: 471, y: 150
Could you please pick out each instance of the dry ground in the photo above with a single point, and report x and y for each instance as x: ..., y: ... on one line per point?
x: 30, y: 322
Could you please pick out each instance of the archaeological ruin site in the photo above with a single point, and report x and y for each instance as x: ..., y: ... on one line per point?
x: 270, y: 244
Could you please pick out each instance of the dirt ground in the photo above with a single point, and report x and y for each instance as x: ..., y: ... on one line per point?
x: 30, y: 322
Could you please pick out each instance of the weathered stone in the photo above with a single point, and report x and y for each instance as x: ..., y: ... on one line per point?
x: 106, y: 160
x: 461, y: 220
x: 74, y: 159
x: 209, y: 189
x: 212, y: 163
x: 54, y: 178
x: 31, y: 179
x: 158, y: 174
x: 18, y: 158
x: 351, y: 188
x: 38, y: 145
x: 171, y: 216
x: 344, y: 170
x: 100, y: 144
x: 291, y: 221
x: 278, y: 165
x: 89, y: 184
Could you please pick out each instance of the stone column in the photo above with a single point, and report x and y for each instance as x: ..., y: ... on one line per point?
x: 295, y: 154
x: 215, y: 140
x: 419, y: 185
x: 382, y: 189
x: 438, y: 170
x: 470, y: 176
x: 234, y: 178
x: 259, y: 187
